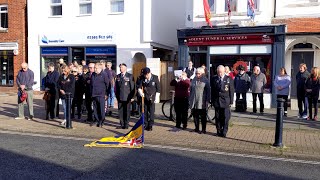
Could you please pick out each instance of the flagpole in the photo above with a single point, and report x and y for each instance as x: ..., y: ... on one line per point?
x: 142, y: 114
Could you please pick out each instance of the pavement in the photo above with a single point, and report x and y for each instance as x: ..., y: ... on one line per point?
x: 34, y: 157
x: 248, y: 133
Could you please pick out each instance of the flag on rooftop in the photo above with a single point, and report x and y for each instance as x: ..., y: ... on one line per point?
x: 207, y: 12
x: 250, y: 9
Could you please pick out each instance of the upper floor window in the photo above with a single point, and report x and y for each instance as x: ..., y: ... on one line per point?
x: 233, y: 5
x: 3, y: 16
x: 56, y: 8
x: 256, y: 4
x: 212, y: 4
x: 116, y: 6
x: 85, y: 7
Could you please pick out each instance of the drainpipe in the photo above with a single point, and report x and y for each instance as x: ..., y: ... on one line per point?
x: 275, y: 9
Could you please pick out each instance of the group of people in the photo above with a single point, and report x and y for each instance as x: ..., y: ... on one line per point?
x: 193, y: 90
x: 98, y: 84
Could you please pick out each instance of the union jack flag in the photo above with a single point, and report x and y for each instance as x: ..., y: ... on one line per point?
x: 229, y: 8
x: 250, y: 9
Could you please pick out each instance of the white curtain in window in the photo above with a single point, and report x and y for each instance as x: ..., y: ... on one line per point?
x: 86, y: 8
x: 117, y: 6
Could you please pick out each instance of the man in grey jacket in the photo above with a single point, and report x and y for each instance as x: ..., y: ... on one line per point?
x: 258, y: 82
x: 25, y: 81
x: 199, y: 99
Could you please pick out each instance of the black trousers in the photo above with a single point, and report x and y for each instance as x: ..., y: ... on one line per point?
x: 254, y: 97
x: 76, y: 102
x: 52, y: 106
x: 222, y: 120
x: 197, y: 115
x: 285, y: 97
x: 98, y: 105
x: 313, y: 101
x: 88, y: 101
x: 302, y: 100
x: 124, y: 113
x: 244, y: 97
x: 181, y: 108
x: 149, y: 108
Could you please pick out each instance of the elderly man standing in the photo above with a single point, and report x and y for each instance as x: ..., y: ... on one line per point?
x: 222, y: 97
x: 258, y: 82
x: 125, y: 89
x: 99, y: 86
x: 25, y: 80
x: 199, y: 99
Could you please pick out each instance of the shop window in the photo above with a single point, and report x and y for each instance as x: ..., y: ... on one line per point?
x: 212, y: 5
x: 117, y: 6
x: 56, y: 8
x: 85, y: 7
x: 3, y: 16
x: 233, y: 5
x: 6, y: 68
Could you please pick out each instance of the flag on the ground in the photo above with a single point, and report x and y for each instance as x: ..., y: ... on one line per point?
x: 207, y: 13
x: 133, y: 139
x: 250, y: 9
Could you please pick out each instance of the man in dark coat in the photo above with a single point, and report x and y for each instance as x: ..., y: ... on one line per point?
x: 78, y: 96
x: 242, y: 84
x: 222, y: 90
x: 149, y: 88
x: 124, y: 90
x: 51, y: 86
x: 99, y: 88
x: 88, y: 93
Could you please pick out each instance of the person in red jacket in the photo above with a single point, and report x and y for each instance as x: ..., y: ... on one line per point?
x: 181, y: 99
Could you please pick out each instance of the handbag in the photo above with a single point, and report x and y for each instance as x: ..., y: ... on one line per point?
x: 23, y: 95
x: 46, y: 96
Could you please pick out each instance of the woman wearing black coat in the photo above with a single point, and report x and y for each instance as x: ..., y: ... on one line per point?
x: 312, y: 87
x: 66, y: 84
x: 51, y: 88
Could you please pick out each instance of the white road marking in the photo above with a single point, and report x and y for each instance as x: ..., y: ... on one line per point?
x: 172, y: 148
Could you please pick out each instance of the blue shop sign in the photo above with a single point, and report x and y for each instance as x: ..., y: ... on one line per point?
x: 100, y: 51
x: 54, y: 51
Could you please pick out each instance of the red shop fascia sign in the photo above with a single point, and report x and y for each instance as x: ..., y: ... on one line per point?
x: 229, y: 40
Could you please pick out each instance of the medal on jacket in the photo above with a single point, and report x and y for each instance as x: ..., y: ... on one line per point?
x: 226, y: 88
x: 153, y: 83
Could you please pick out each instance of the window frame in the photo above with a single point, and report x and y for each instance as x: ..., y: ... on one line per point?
x: 226, y: 6
x: 56, y: 5
x: 213, y: 10
x: 4, y: 12
x: 112, y: 12
x: 85, y: 2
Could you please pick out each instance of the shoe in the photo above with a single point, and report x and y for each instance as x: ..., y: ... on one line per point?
x: 285, y: 114
x: 203, y: 132
x: 63, y: 122
x: 184, y: 127
x: 315, y: 118
x: 304, y: 117
x: 308, y: 118
x: 30, y: 118
x: 18, y: 118
x: 150, y: 128
x: 47, y: 118
x: 179, y: 127
x: 196, y: 130
x: 119, y: 127
x: 99, y: 125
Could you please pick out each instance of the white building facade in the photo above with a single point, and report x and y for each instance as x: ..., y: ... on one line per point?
x: 111, y: 30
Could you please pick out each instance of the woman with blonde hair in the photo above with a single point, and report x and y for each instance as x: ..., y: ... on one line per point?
x: 312, y: 87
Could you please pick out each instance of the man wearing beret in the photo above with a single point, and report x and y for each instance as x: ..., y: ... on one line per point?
x: 124, y: 90
x: 151, y: 87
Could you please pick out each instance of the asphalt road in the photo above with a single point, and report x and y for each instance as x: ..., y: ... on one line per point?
x: 28, y: 157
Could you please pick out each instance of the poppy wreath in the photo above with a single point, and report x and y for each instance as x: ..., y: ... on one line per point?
x: 240, y: 63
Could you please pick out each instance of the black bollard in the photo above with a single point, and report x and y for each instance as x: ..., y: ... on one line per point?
x: 279, y: 123
x: 68, y: 111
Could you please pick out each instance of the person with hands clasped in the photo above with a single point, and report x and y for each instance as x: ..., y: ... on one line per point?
x: 312, y: 87
x: 199, y: 99
x: 151, y: 90
x: 222, y: 92
x: 66, y: 84
x: 282, y: 84
x: 124, y: 90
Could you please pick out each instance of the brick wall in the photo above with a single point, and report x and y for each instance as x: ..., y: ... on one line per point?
x: 17, y: 30
x: 300, y: 24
